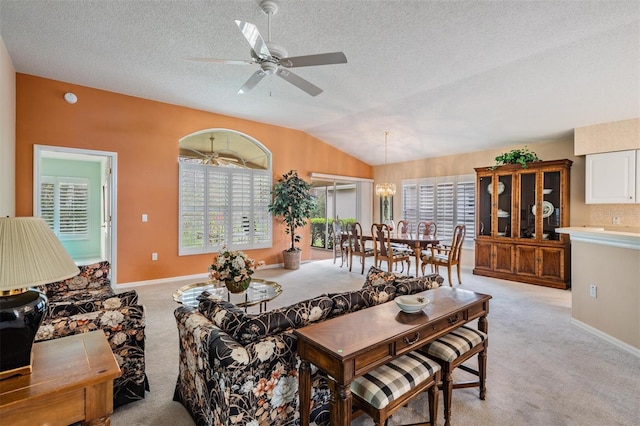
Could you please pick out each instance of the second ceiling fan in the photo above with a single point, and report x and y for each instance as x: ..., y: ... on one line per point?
x: 273, y: 58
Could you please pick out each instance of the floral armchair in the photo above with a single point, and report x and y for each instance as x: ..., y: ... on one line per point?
x: 87, y: 303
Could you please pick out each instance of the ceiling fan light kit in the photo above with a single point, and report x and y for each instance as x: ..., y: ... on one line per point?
x: 273, y: 58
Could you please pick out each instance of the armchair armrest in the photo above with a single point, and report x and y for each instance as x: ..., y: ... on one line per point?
x: 89, y: 303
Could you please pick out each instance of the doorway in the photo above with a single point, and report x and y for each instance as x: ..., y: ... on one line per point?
x: 74, y: 192
x: 339, y: 197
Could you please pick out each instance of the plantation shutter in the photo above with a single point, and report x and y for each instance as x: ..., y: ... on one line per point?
x: 261, y: 216
x: 74, y: 209
x: 410, y: 202
x: 427, y: 201
x: 445, y: 210
x: 192, y: 207
x: 465, y: 212
x: 241, y: 196
x: 223, y: 207
x: 48, y: 201
x: 65, y: 206
x: 218, y: 207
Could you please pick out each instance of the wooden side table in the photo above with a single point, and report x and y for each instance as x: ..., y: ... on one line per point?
x: 71, y: 381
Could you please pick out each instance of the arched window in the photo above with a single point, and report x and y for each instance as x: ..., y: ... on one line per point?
x: 225, y: 186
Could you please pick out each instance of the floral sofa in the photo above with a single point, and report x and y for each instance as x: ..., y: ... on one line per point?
x: 86, y: 303
x: 242, y: 369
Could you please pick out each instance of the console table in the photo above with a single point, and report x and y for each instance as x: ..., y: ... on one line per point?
x: 351, y: 345
x: 71, y: 381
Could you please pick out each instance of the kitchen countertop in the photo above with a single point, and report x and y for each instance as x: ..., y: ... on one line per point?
x: 630, y: 240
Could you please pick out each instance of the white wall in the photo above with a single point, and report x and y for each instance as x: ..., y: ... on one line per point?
x: 7, y: 133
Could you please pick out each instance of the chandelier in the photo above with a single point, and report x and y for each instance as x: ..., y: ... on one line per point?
x: 385, y: 189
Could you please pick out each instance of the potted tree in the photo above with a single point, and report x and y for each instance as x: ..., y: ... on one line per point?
x: 294, y: 202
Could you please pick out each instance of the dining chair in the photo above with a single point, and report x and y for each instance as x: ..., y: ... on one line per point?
x: 446, y: 255
x: 427, y: 228
x: 338, y: 241
x: 384, y: 251
x: 356, y: 245
x: 404, y: 228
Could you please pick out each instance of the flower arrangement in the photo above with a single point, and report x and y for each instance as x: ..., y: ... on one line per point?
x: 233, y: 266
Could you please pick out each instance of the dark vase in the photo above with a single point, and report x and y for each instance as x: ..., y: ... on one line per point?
x: 237, y: 287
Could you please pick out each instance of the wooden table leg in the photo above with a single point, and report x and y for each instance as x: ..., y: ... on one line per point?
x: 340, y: 403
x: 483, y: 325
x: 417, y: 250
x: 304, y: 389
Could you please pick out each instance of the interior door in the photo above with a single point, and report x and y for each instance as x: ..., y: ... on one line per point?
x: 61, y: 178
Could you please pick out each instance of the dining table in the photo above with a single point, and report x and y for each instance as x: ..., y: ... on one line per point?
x: 417, y: 241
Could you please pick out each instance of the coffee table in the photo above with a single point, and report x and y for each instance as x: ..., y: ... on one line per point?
x: 259, y: 293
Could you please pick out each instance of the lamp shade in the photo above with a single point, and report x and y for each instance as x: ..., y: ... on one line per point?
x: 31, y: 254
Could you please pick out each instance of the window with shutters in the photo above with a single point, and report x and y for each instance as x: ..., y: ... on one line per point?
x: 225, y: 187
x: 449, y: 201
x: 64, y: 205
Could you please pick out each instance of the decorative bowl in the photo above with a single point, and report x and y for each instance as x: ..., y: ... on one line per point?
x: 544, y: 236
x: 411, y: 303
x: 547, y: 191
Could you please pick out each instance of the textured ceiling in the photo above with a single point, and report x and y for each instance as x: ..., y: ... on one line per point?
x: 442, y: 77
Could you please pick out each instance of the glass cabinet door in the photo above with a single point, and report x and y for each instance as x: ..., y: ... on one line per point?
x: 504, y: 205
x: 484, y: 205
x: 551, y: 203
x: 527, y: 216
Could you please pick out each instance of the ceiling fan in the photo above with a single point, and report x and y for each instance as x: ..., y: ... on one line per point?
x: 273, y: 58
x: 207, y: 157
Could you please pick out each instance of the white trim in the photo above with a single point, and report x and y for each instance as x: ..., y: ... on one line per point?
x: 604, y: 336
x: 337, y: 178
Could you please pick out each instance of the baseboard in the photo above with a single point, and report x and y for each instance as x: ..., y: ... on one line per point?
x: 203, y: 276
x: 604, y: 336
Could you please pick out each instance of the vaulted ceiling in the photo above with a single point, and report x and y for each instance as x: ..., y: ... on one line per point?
x: 443, y: 77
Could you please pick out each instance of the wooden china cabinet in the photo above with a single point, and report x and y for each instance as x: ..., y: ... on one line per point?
x: 517, y: 212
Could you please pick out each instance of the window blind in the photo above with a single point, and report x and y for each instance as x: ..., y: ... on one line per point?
x: 223, y: 206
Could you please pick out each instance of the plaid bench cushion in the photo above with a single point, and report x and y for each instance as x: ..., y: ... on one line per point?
x: 388, y: 382
x: 452, y: 345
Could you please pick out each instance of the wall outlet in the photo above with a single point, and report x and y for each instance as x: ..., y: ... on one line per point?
x: 593, y: 290
x: 154, y: 256
x: 616, y: 220
x: 145, y: 217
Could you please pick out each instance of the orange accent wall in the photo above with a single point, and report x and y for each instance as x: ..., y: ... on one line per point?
x: 145, y: 135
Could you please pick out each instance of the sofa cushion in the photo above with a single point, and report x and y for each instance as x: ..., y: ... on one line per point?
x: 254, y: 327
x: 225, y: 315
x: 348, y: 301
x: 376, y: 276
x: 90, y: 277
x: 408, y: 285
x: 378, y: 294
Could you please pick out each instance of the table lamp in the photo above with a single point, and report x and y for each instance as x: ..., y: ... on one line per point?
x: 30, y: 255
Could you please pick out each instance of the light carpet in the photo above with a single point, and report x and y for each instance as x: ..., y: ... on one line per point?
x: 542, y: 370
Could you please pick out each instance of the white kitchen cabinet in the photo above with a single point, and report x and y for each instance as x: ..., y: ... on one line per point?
x: 611, y: 178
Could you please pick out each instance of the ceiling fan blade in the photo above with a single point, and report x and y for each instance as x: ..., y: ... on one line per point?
x: 253, y: 80
x: 223, y: 61
x: 310, y: 60
x: 254, y: 38
x: 299, y: 82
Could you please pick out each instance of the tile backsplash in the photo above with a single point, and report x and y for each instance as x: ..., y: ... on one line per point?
x: 603, y: 215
